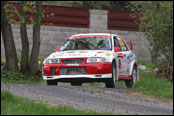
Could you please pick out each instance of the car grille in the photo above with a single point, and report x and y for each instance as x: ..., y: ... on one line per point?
x: 66, y: 61
x: 72, y: 71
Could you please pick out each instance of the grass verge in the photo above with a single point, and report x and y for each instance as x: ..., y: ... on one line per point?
x: 14, y: 105
x: 149, y: 84
x: 20, y: 78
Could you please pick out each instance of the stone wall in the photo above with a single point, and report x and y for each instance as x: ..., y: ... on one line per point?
x: 53, y: 36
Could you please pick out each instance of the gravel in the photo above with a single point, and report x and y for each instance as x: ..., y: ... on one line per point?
x: 100, y: 99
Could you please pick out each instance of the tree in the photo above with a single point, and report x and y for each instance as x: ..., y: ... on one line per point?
x: 119, y: 5
x: 10, y: 51
x: 9, y: 45
x: 100, y: 5
x: 157, y: 22
x: 24, y: 39
x: 33, y: 65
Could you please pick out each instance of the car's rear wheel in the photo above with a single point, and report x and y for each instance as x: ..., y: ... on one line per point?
x: 110, y: 83
x: 129, y: 83
x: 51, y: 82
x: 76, y: 84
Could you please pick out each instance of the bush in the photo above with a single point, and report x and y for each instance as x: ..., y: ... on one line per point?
x: 18, y: 77
x: 157, y: 22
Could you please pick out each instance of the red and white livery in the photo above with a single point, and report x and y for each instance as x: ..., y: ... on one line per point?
x: 95, y: 57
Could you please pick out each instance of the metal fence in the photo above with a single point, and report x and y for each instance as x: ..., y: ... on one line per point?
x: 78, y: 17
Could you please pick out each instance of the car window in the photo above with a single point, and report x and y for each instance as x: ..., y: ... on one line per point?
x: 116, y: 43
x: 127, y: 47
x: 123, y: 44
x: 87, y: 43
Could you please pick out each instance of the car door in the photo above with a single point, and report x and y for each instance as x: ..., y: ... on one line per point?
x: 119, y: 54
x: 124, y: 57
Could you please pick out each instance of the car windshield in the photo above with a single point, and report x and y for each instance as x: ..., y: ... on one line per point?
x: 87, y: 43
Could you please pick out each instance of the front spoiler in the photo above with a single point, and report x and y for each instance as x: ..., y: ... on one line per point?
x: 97, y: 76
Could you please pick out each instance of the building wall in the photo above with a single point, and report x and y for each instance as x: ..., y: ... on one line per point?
x: 53, y: 36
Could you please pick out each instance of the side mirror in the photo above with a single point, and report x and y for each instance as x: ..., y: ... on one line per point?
x: 130, y: 45
x: 57, y: 49
x: 116, y: 49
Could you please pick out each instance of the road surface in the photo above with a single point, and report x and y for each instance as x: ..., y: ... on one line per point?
x: 100, y: 99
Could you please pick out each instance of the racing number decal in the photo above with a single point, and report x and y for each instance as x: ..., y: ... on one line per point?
x: 121, y: 41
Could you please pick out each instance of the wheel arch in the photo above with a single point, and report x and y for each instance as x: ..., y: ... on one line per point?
x: 134, y: 64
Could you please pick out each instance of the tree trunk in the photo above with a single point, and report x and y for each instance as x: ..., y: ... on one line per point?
x: 33, y: 65
x: 154, y: 55
x: 24, y: 39
x: 9, y: 45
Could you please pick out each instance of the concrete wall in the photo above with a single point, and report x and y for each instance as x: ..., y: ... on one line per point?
x: 53, y: 36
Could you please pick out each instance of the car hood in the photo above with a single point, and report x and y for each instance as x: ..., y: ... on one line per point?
x: 80, y: 54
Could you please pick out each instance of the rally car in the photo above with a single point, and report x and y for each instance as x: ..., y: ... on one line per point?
x: 95, y: 57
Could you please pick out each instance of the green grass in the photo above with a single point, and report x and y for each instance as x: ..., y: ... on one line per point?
x: 149, y: 84
x: 20, y: 78
x: 14, y: 105
x: 149, y: 66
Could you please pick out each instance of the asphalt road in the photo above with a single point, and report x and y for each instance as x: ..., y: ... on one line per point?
x: 99, y: 99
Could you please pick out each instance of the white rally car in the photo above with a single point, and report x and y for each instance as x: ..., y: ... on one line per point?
x: 95, y: 57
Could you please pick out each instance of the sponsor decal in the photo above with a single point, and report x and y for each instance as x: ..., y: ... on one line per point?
x: 76, y: 54
x: 72, y: 64
x: 117, y: 54
x: 130, y: 55
x: 131, y: 60
x: 108, y: 54
x: 84, y: 36
x: 98, y: 53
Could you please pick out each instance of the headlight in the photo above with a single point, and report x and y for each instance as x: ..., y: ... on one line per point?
x: 52, y: 61
x: 91, y: 60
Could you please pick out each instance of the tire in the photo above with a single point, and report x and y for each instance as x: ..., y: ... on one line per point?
x: 51, y: 82
x: 76, y: 84
x: 129, y: 83
x: 110, y: 83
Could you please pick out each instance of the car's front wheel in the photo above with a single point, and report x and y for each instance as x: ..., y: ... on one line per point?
x: 51, y: 82
x: 129, y: 83
x: 111, y: 82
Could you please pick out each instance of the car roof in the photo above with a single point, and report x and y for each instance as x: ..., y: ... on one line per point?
x: 92, y: 34
x: 108, y: 34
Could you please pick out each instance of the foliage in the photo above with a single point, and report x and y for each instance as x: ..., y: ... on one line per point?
x: 150, y: 85
x: 13, y: 105
x: 18, y: 77
x: 157, y: 22
x: 40, y: 60
x: 149, y: 66
x: 100, y: 5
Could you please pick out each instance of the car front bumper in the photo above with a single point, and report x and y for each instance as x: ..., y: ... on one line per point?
x: 92, y: 71
x: 103, y: 76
